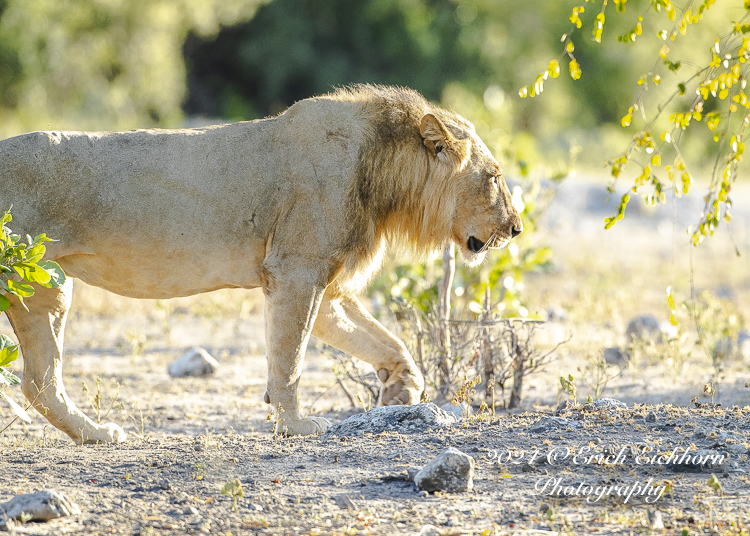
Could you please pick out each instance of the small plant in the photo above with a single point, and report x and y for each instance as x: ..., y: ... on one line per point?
x: 569, y: 386
x: 708, y: 390
x: 713, y: 483
x: 139, y: 420
x: 233, y: 488
x: 275, y: 418
x: 200, y: 471
x: 20, y: 265
x: 96, y: 400
x: 597, y: 375
x: 365, y: 406
x: 465, y: 392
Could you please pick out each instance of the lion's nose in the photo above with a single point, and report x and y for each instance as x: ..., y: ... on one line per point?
x: 517, y: 229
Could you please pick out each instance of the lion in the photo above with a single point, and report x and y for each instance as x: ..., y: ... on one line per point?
x: 303, y: 205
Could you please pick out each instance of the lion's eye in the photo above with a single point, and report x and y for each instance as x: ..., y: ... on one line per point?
x: 495, y: 181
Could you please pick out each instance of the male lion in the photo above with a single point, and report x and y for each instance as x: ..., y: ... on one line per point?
x: 302, y: 205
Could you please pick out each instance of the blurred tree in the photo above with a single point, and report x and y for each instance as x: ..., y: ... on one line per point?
x: 100, y: 64
x: 293, y: 49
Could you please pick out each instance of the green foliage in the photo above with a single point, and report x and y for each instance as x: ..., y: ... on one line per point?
x: 569, y: 386
x: 713, y: 91
x: 100, y: 65
x: 23, y: 262
x: 233, y: 488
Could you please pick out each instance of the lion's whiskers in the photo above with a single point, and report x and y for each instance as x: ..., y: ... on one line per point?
x: 487, y: 245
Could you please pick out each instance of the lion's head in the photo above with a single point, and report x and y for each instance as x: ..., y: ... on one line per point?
x: 423, y: 177
x: 484, y: 216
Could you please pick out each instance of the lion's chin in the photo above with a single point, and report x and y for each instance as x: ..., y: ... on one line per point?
x: 471, y: 258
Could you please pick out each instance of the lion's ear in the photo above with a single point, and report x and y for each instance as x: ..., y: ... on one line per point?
x: 440, y: 142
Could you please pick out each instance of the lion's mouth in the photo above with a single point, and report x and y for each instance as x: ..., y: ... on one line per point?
x: 474, y: 244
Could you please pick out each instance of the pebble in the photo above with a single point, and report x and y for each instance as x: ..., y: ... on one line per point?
x: 451, y: 470
x: 196, y: 362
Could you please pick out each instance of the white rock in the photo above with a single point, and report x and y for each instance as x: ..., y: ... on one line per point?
x: 451, y: 471
x: 459, y: 411
x: 608, y: 403
x: 41, y: 506
x: 428, y: 530
x: 196, y: 362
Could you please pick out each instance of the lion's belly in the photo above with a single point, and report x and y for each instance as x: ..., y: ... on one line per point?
x: 159, y: 278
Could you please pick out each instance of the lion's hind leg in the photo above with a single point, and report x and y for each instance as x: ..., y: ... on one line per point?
x: 344, y: 323
x: 40, y: 331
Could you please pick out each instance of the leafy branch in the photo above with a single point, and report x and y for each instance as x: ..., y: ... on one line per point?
x: 21, y: 264
x: 714, y: 94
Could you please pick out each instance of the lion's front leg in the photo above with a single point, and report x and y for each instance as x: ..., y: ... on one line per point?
x: 41, y: 330
x: 344, y: 323
x: 290, y: 310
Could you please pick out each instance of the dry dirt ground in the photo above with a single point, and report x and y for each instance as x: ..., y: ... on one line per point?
x: 190, y: 437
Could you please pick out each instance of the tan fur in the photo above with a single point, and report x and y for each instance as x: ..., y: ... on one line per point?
x: 303, y: 205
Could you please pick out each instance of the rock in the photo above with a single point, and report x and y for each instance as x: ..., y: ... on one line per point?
x: 451, y: 471
x: 605, y: 404
x: 196, y: 362
x: 614, y: 356
x: 403, y: 419
x: 41, y: 506
x: 651, y: 417
x: 643, y: 328
x: 737, y: 448
x: 697, y: 461
x: 428, y: 530
x: 459, y: 411
x: 546, y: 423
x: 344, y: 502
x: 563, y: 406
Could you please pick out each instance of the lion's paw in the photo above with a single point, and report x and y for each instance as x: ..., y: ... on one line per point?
x: 398, y: 394
x: 404, y: 389
x: 104, y: 433
x: 307, y: 426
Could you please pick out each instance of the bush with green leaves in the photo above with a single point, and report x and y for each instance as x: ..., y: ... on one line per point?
x: 21, y: 263
x: 687, y: 85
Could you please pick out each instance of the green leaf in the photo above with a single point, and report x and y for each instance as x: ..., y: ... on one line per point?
x: 20, y: 289
x: 41, y: 239
x: 8, y: 350
x: 4, y: 302
x: 36, y: 253
x: 32, y: 273
x: 10, y: 378
x: 57, y: 276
